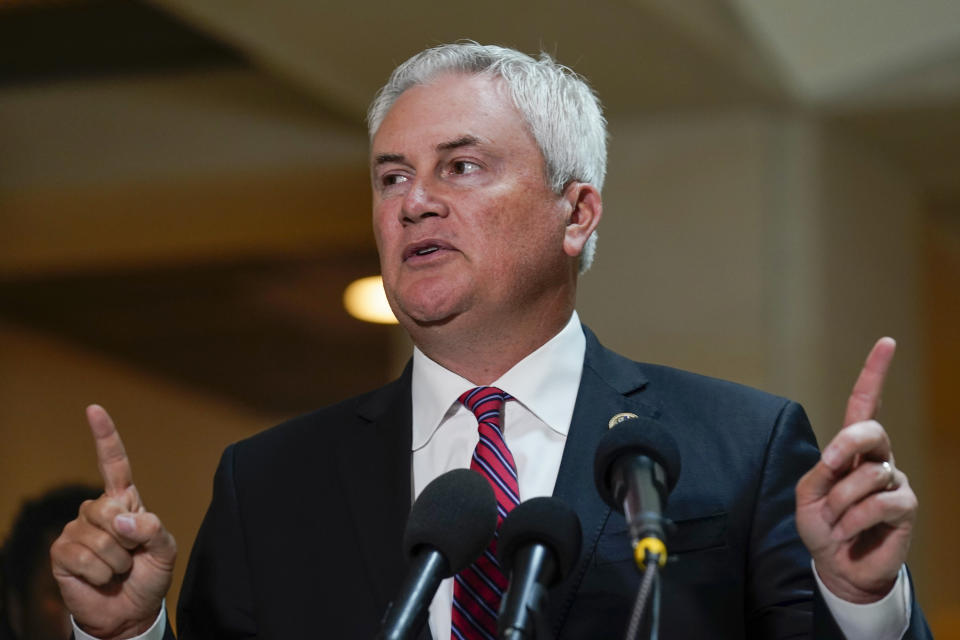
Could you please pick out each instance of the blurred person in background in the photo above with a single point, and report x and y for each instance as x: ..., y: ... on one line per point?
x: 30, y: 604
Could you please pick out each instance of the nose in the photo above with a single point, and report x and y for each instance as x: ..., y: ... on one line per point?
x: 422, y: 201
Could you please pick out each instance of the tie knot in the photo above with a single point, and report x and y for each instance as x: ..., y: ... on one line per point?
x: 484, y: 402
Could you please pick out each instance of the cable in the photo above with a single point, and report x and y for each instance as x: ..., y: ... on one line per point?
x: 655, y: 614
x: 649, y: 575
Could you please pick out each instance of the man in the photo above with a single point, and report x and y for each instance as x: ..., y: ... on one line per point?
x: 486, y: 168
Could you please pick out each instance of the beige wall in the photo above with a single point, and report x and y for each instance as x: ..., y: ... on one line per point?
x: 763, y: 248
x: 679, y: 272
x: 942, y: 338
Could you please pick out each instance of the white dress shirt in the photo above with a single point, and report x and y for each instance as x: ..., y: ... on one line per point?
x: 544, y: 386
x: 535, y: 425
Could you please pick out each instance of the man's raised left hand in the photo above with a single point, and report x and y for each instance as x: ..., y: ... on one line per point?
x: 855, y: 509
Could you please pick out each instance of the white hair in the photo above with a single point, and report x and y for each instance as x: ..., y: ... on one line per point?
x: 561, y: 110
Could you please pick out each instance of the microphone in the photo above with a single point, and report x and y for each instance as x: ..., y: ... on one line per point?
x: 450, y: 525
x: 538, y: 546
x: 635, y: 468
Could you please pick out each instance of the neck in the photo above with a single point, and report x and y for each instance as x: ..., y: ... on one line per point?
x: 483, y: 354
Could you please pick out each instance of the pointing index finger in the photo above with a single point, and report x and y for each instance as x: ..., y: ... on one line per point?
x: 865, y: 398
x: 111, y: 456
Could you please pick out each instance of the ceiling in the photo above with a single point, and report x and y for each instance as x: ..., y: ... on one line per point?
x: 891, y: 65
x: 851, y: 52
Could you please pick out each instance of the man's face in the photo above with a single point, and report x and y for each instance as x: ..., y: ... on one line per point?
x: 464, y: 221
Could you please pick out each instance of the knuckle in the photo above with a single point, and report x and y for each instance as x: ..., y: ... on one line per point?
x: 903, y: 481
x: 84, y: 558
x: 879, y: 433
x: 149, y: 524
x: 87, y: 506
x: 88, y: 565
x: 58, y: 549
x: 912, y: 503
x: 905, y: 499
x: 836, y: 511
x: 123, y: 563
x: 102, y: 543
x: 72, y: 529
x: 98, y: 574
x: 839, y: 495
x: 97, y: 510
x: 847, y: 440
x: 871, y: 431
x: 851, y: 522
x: 838, y: 499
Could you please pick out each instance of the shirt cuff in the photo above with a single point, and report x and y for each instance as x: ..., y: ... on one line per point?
x: 885, y: 619
x: 155, y: 632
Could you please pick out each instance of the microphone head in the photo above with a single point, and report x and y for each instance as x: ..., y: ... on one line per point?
x: 546, y: 521
x: 456, y: 514
x: 635, y: 436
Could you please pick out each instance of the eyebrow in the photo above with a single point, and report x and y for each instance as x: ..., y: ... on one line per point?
x: 384, y: 158
x: 463, y: 141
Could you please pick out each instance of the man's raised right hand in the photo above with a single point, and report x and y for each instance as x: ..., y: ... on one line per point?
x: 114, y: 563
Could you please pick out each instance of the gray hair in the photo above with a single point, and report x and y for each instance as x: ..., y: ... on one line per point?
x: 561, y: 110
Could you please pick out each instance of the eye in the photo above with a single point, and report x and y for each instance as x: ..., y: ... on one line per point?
x: 463, y: 167
x: 391, y: 179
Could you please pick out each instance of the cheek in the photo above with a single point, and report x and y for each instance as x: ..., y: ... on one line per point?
x: 383, y: 231
x: 532, y: 231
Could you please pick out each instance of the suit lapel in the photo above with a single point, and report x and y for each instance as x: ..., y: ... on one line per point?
x: 374, y: 461
x: 610, y: 385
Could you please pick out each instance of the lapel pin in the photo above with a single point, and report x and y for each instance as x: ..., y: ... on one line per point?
x: 620, y: 417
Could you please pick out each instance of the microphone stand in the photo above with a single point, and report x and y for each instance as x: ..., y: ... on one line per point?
x: 648, y: 527
x: 533, y: 616
x: 651, y: 582
x: 402, y: 621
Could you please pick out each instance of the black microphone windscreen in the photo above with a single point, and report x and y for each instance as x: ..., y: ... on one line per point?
x: 635, y: 436
x: 456, y: 514
x: 546, y: 521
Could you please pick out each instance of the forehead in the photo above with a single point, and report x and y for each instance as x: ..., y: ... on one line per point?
x: 448, y: 107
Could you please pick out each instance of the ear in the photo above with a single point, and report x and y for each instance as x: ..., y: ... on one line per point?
x: 585, y: 210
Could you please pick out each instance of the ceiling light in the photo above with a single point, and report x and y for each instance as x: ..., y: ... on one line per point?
x: 365, y: 300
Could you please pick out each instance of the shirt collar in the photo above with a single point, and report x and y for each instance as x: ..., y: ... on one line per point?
x: 545, y: 382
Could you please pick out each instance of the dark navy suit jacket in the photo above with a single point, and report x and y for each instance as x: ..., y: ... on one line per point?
x: 303, y: 536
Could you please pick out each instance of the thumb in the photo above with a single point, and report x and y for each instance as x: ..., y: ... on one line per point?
x: 145, y: 530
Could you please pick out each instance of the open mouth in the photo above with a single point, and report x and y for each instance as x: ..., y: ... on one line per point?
x: 425, y: 248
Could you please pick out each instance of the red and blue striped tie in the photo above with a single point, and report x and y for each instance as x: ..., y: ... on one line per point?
x: 477, y: 590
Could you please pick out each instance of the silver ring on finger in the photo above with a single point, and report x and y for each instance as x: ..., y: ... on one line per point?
x: 891, y: 482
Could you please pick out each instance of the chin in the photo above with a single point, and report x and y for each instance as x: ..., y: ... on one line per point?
x: 431, y: 302
x: 429, y: 317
